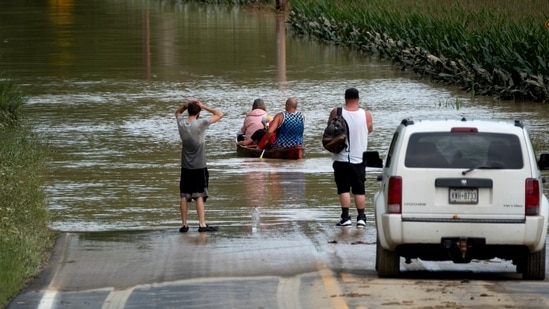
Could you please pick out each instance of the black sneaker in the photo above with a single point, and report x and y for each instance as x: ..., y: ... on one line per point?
x: 361, y: 222
x: 207, y: 228
x: 183, y: 229
x: 344, y: 222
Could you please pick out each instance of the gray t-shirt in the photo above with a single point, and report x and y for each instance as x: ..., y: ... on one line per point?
x: 193, y: 154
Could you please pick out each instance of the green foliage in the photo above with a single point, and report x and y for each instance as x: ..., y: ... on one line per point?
x: 451, y: 103
x: 11, y: 102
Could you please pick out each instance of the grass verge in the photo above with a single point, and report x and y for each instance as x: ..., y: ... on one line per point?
x: 25, y: 239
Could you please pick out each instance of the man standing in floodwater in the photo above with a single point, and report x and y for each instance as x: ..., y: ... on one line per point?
x: 193, y: 184
x: 348, y: 165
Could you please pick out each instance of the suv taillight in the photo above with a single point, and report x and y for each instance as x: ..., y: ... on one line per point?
x: 532, y: 197
x: 394, y: 198
x: 464, y: 129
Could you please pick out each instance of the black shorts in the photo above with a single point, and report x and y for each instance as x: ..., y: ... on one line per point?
x: 258, y: 135
x: 349, y: 176
x: 194, y: 183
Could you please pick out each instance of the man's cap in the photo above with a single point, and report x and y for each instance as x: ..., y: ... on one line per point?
x: 351, y: 93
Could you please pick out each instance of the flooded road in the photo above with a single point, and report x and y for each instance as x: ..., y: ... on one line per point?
x: 104, y: 100
x: 104, y: 79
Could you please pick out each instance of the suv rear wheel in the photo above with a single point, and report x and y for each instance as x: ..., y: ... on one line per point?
x: 533, y: 266
x: 387, y: 262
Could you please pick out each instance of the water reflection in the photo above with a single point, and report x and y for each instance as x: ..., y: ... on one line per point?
x: 281, y: 50
x: 270, y: 191
x: 146, y: 34
x: 255, y: 185
x: 287, y: 189
x: 61, y: 19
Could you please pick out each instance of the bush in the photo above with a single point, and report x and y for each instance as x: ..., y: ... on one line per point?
x: 11, y: 102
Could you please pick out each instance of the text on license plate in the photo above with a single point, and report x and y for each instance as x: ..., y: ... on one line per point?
x: 463, y: 196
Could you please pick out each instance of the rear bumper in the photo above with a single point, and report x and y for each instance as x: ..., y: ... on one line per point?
x: 393, y: 231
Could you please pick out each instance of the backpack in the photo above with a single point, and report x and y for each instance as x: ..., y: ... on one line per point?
x: 336, y: 134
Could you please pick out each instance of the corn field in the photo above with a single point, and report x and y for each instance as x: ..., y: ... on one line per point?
x: 497, y: 48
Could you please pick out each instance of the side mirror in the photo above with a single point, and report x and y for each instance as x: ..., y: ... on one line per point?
x: 372, y: 159
x: 543, y: 163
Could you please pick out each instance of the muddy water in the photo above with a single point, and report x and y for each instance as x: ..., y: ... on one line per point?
x: 104, y: 79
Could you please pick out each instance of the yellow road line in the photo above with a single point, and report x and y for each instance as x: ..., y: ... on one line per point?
x: 332, y: 286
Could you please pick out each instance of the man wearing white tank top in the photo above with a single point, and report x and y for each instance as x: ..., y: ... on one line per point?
x: 349, y: 169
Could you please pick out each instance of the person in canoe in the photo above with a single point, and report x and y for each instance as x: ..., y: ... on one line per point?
x: 286, y: 129
x: 255, y: 124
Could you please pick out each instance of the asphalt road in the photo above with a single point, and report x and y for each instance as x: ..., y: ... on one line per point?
x: 299, y: 265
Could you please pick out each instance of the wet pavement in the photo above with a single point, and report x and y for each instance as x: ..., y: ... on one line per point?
x: 297, y: 265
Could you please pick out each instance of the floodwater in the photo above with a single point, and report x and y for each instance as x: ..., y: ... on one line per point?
x: 104, y: 78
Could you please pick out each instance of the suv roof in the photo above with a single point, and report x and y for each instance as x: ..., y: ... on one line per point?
x: 443, y: 124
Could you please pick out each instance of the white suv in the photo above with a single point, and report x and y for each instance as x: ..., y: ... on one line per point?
x: 461, y: 190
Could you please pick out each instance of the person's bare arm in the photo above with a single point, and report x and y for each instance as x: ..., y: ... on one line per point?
x: 277, y: 120
x: 216, y: 114
x: 246, y: 142
x: 369, y: 121
x: 180, y: 110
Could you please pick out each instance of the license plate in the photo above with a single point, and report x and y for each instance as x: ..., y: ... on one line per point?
x: 463, y: 196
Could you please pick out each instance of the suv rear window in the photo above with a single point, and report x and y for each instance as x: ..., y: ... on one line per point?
x: 464, y: 150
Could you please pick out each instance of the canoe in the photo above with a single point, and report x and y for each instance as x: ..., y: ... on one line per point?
x: 290, y: 153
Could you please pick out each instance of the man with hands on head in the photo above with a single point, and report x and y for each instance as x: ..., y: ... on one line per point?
x: 193, y: 184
